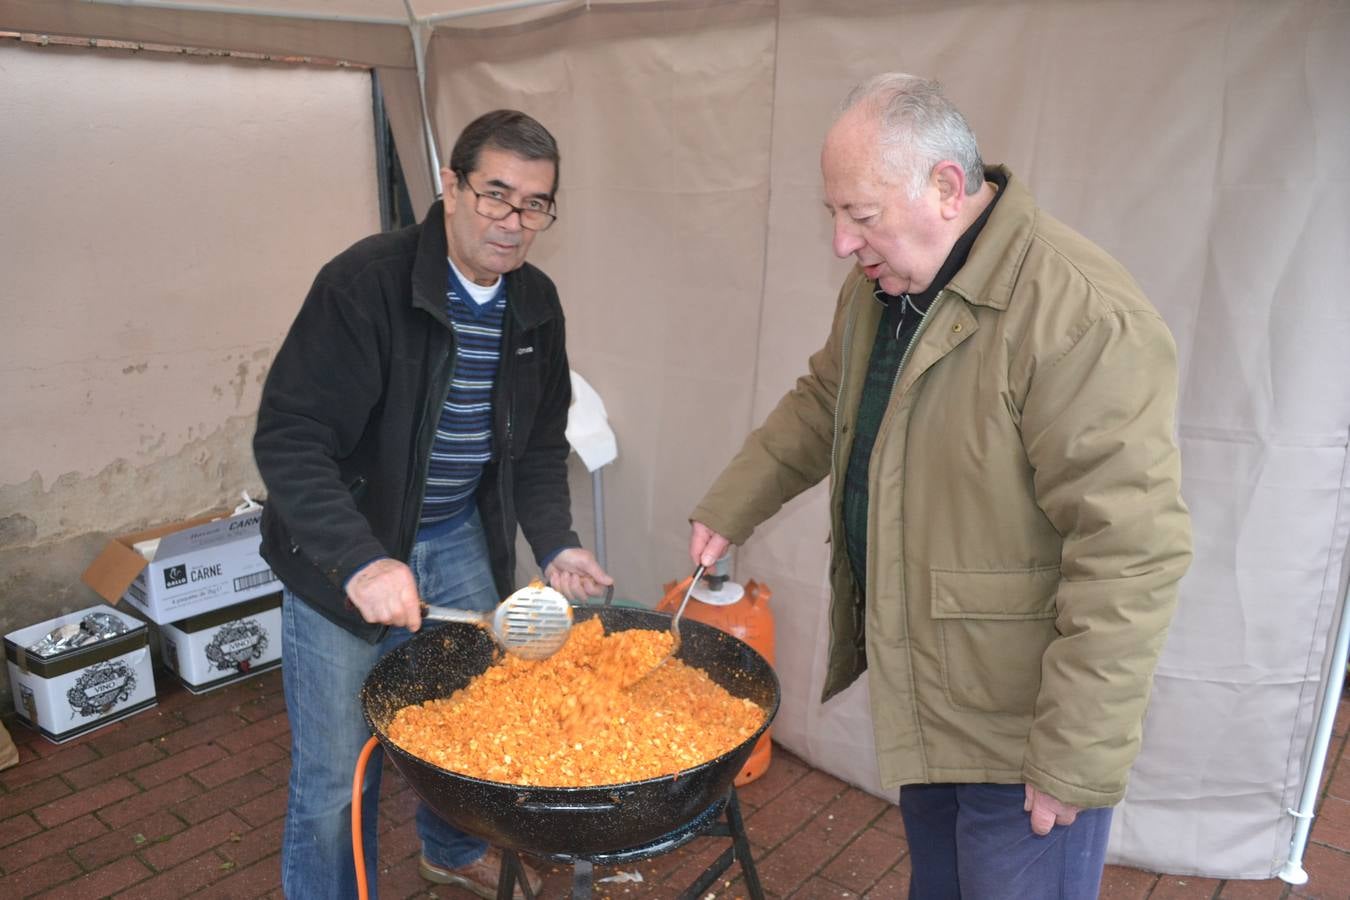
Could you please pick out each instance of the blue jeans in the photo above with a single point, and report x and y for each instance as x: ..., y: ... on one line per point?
x: 323, y: 669
x: 974, y: 842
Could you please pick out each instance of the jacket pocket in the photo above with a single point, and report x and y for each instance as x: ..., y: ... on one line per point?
x: 993, y: 629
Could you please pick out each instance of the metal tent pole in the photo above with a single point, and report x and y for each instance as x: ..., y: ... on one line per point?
x: 421, y: 30
x: 1293, y: 871
x: 598, y: 499
x: 490, y: 8
x: 420, y: 33
x: 280, y: 11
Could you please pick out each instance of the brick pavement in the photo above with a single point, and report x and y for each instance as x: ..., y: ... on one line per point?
x: 186, y: 800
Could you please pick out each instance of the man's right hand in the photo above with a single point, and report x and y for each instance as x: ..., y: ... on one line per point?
x: 705, y: 545
x: 385, y: 593
x: 1047, y: 812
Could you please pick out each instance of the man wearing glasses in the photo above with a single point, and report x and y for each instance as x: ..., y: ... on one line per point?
x: 413, y: 416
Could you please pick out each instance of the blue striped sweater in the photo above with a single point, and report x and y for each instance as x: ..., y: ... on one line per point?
x: 463, y: 442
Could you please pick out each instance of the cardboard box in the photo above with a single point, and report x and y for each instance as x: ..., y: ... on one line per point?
x: 200, y: 565
x: 74, y: 692
x: 224, y: 646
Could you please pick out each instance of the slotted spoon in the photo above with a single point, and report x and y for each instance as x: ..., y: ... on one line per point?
x: 532, y: 623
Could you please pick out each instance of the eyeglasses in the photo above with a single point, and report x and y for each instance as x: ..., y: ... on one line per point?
x: 535, y: 216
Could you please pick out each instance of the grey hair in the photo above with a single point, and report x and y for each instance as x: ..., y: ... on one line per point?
x: 505, y: 129
x: 919, y: 128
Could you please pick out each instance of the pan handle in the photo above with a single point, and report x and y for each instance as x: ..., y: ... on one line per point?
x: 524, y: 802
x: 447, y: 614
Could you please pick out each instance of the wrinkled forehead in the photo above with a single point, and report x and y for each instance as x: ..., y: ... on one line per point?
x: 506, y: 170
x: 853, y: 169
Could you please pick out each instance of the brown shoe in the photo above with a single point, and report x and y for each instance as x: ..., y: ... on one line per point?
x: 480, y: 876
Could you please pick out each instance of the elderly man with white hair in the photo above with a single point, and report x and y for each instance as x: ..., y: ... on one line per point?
x: 994, y: 406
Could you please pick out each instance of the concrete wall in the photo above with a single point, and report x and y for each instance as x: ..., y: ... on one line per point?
x: 161, y: 218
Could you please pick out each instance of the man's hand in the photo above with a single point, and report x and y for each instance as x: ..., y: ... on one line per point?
x: 576, y: 575
x: 705, y: 545
x: 385, y: 593
x: 1047, y: 812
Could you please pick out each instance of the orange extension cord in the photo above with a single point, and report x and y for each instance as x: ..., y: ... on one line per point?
x: 358, y: 850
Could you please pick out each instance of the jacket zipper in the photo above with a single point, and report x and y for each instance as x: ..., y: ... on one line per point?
x: 838, y: 402
x: 425, y: 437
x: 839, y: 397
x: 843, y: 372
x: 835, y: 546
x: 502, y: 475
x: 508, y: 541
x: 904, y: 358
x: 504, y: 471
x: 909, y: 348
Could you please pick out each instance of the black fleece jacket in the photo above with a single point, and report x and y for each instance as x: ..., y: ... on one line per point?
x: 350, y: 406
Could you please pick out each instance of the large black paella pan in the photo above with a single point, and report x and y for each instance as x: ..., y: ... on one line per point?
x: 439, y: 660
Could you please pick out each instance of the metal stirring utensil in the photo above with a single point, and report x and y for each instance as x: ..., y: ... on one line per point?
x: 675, y: 624
x: 532, y: 623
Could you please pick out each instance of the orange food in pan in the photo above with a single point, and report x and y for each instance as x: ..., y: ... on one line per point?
x: 585, y: 716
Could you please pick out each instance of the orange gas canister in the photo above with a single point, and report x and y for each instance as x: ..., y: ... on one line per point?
x: 742, y: 612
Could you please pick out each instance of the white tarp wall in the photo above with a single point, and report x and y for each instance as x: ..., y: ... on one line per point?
x: 1204, y: 143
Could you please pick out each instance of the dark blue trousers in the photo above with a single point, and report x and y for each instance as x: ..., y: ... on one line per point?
x: 974, y: 842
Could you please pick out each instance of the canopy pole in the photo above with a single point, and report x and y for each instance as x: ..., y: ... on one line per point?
x: 421, y: 35
x: 598, y: 498
x: 491, y: 8
x: 1293, y: 871
x: 423, y: 28
x: 279, y: 12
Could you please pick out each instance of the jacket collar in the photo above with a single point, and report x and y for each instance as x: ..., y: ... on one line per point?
x: 990, y: 272
x: 526, y: 305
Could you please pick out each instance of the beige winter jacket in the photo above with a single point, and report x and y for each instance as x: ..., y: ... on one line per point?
x: 1025, y: 528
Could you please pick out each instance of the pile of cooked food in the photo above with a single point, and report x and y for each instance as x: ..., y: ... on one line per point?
x: 599, y: 711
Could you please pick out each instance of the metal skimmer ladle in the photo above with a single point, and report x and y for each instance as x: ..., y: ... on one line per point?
x: 675, y: 623
x: 532, y: 623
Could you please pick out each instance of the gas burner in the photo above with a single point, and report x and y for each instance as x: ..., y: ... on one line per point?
x: 664, y: 844
x: 722, y: 819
